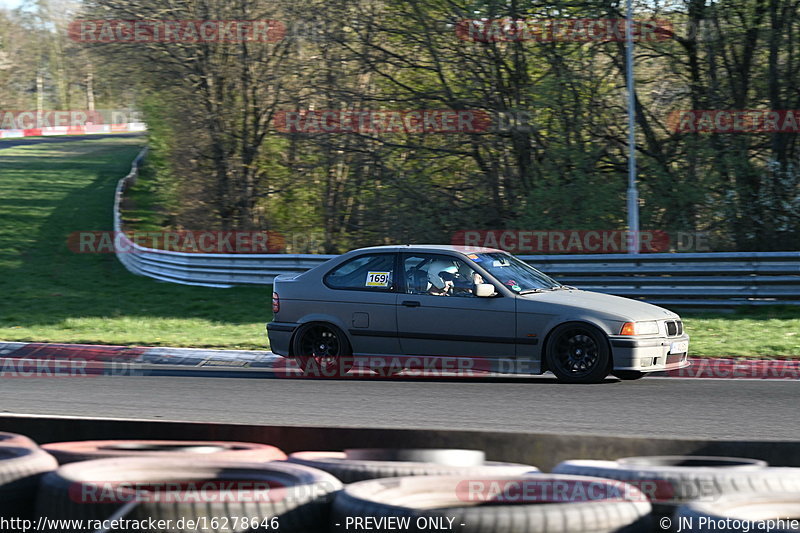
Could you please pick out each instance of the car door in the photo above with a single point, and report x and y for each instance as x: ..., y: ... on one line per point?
x: 432, y: 321
x: 364, y: 298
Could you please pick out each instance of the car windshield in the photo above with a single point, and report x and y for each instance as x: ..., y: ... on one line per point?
x: 514, y: 273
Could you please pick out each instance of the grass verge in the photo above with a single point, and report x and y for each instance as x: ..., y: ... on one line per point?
x: 50, y: 294
x: 754, y: 332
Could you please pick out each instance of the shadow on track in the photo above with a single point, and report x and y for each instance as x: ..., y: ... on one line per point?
x: 545, y: 379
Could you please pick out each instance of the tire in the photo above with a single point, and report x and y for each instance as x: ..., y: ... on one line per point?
x: 15, y: 439
x: 364, y: 464
x: 670, y: 481
x: 322, y: 349
x: 20, y: 470
x: 628, y: 375
x: 495, y: 504
x: 70, y: 452
x: 750, y: 509
x: 578, y: 353
x: 299, y: 497
x: 688, y: 461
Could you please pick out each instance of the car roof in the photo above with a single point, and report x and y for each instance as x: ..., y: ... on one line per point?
x: 431, y: 248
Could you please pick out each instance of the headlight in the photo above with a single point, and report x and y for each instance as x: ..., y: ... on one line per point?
x: 639, y: 328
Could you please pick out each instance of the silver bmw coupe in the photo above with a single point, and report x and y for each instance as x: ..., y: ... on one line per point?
x: 393, y: 308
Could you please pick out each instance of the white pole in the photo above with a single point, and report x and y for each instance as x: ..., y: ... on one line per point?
x: 633, y: 193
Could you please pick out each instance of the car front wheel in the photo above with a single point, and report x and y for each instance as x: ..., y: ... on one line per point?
x: 322, y: 349
x: 578, y: 353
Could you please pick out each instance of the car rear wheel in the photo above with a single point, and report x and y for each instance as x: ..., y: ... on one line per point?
x: 629, y: 375
x: 578, y: 353
x: 322, y: 349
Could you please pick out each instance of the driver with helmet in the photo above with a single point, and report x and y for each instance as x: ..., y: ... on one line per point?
x: 444, y: 277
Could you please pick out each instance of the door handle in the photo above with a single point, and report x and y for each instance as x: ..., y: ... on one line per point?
x: 410, y: 303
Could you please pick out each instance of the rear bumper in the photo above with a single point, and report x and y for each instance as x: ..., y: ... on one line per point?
x: 280, y: 337
x: 649, y: 354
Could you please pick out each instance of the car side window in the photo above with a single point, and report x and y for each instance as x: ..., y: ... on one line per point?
x: 366, y: 272
x: 439, y: 275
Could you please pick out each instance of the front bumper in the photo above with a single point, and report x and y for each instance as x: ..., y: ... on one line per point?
x: 649, y: 354
x: 280, y: 337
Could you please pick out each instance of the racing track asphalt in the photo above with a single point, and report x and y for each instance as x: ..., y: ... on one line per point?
x: 658, y: 407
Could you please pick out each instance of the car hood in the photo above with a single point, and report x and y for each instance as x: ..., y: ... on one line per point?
x: 624, y: 308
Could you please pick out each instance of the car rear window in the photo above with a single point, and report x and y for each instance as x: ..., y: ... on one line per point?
x: 365, y: 272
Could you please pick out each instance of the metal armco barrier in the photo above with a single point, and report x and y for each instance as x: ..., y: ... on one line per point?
x: 706, y: 279
x: 703, y: 279
x: 208, y: 270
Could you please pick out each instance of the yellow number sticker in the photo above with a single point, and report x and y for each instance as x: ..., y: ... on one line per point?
x: 378, y: 279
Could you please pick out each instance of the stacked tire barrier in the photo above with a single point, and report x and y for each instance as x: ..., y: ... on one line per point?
x: 191, y: 492
x: 239, y: 486
x: 13, y: 439
x: 22, y: 464
x: 711, y: 487
x: 675, y: 480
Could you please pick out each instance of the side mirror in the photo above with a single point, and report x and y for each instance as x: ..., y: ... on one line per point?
x: 484, y: 290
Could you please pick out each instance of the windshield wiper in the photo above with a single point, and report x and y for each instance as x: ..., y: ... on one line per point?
x: 529, y: 291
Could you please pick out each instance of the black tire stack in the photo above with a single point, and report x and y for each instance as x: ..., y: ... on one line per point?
x: 417, y: 489
x: 22, y: 464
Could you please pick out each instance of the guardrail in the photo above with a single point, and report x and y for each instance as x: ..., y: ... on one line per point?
x: 704, y: 279
x: 208, y: 270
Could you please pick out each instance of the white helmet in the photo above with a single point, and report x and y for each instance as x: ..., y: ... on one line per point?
x: 438, y: 266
